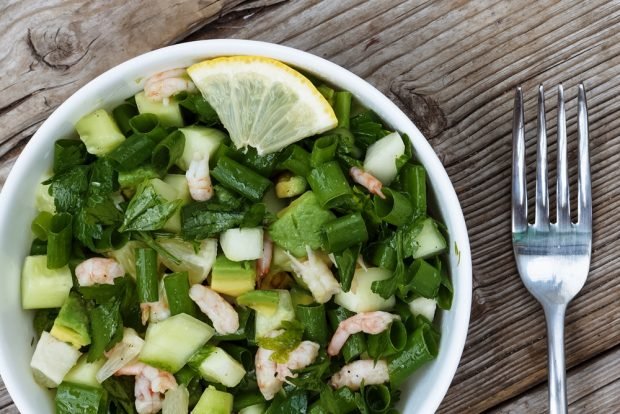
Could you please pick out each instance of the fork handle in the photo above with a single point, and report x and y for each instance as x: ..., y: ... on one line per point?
x: 554, y: 314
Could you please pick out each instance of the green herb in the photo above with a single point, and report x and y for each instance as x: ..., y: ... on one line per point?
x: 285, y: 342
x: 387, y: 288
x: 69, y: 189
x: 68, y: 153
x: 120, y: 391
x: 292, y: 402
x: 44, y: 320
x: 254, y: 216
x: 106, y: 328
x: 199, y: 222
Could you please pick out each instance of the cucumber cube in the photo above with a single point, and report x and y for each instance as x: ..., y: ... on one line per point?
x: 213, y: 401
x: 201, y: 140
x: 429, y: 241
x: 99, y: 132
x: 169, y: 113
x: 169, y: 344
x: 42, y: 287
x: 219, y: 367
x: 85, y: 373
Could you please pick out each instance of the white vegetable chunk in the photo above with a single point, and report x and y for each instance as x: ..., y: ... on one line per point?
x: 52, y: 360
x: 361, y: 298
x: 242, y: 244
x: 381, y: 157
x: 423, y: 306
x: 121, y: 354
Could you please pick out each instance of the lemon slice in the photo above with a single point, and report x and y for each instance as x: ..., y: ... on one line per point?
x: 262, y: 102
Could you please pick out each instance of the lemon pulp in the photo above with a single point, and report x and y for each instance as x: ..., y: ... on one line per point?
x: 262, y: 102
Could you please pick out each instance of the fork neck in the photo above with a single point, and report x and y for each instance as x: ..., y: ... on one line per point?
x: 554, y: 314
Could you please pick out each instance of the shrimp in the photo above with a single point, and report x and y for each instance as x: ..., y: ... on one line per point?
x: 161, y: 86
x: 367, y: 180
x: 267, y: 374
x: 363, y: 370
x: 224, y: 317
x: 270, y: 376
x: 98, y: 270
x: 264, y: 263
x: 150, y: 383
x: 156, y: 311
x: 302, y: 356
x: 316, y: 275
x: 198, y: 179
x: 367, y: 322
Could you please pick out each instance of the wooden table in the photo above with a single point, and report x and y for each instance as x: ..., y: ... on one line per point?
x: 452, y: 66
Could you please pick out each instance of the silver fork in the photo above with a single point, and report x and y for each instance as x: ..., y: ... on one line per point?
x: 553, y: 258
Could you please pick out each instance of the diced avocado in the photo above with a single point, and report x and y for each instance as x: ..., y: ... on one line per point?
x: 99, y: 132
x: 301, y: 296
x: 262, y: 301
x: 429, y: 241
x: 284, y: 312
x: 300, y: 225
x: 77, y: 398
x: 213, y: 401
x: 201, y: 140
x: 290, y: 185
x: 71, y: 324
x: 179, y: 183
x: 217, y: 366
x: 169, y: 113
x: 85, y: 373
x: 169, y: 344
x: 232, y: 278
x: 51, y: 361
x: 43, y: 287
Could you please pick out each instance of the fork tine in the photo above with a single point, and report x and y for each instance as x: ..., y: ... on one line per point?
x: 584, y: 184
x: 542, y: 194
x: 563, y: 203
x: 519, y: 191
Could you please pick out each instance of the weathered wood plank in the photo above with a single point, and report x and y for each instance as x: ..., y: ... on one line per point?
x: 52, y: 48
x: 452, y: 66
x: 592, y: 387
x: 5, y: 398
x: 11, y: 409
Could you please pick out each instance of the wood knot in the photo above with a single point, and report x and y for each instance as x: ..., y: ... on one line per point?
x: 59, y: 47
x: 422, y: 109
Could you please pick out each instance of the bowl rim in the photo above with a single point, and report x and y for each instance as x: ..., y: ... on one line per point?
x: 330, y: 72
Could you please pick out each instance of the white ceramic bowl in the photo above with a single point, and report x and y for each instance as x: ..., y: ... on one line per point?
x: 422, y: 394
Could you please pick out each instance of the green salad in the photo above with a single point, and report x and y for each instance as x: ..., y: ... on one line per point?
x: 233, y: 238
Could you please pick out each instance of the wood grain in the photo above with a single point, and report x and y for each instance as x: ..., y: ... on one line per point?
x: 452, y: 66
x: 592, y: 387
x: 52, y: 48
